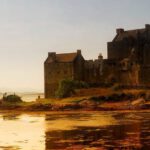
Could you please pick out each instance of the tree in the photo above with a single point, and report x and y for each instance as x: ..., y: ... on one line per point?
x: 68, y: 86
x: 12, y: 98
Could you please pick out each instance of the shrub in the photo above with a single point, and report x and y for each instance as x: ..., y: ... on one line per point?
x: 65, y: 89
x: 80, y: 84
x: 115, y: 97
x: 68, y: 86
x: 12, y: 98
x: 103, y: 85
x: 98, y: 99
x: 142, y: 94
x: 115, y: 87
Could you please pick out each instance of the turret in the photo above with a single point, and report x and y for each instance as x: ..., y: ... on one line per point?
x: 100, y: 57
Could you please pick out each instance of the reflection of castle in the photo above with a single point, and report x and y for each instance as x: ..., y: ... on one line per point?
x: 126, y: 135
x: 128, y: 63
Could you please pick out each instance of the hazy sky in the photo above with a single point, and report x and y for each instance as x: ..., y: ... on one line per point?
x: 31, y: 28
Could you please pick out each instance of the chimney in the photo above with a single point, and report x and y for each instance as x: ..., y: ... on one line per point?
x: 52, y: 55
x: 119, y: 31
x: 79, y: 51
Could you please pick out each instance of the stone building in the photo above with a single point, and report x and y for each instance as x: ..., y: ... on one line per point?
x: 61, y: 66
x: 131, y: 51
x: 128, y: 63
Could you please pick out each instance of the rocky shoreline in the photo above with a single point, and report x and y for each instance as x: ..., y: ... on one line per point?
x: 98, y: 100
x: 82, y: 105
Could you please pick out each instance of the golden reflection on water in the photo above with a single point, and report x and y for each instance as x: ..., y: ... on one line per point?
x: 25, y: 132
x: 74, y: 131
x: 63, y: 123
x: 102, y: 130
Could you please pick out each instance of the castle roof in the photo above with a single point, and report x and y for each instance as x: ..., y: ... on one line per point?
x: 63, y: 57
x: 66, y: 57
x: 129, y: 33
x: 122, y: 34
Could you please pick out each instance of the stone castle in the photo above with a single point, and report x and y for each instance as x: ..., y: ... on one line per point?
x: 128, y: 63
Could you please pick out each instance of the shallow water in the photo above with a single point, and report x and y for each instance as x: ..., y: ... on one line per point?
x: 73, y: 131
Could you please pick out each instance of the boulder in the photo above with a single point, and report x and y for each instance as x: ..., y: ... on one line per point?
x: 138, y: 102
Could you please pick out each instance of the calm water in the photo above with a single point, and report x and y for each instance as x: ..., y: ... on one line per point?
x: 73, y: 131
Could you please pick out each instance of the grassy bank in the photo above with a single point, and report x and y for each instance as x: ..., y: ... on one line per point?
x: 87, y: 99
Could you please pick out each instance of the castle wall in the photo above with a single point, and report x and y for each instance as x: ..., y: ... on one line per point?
x: 92, y: 71
x: 118, y: 50
x: 94, y: 74
x: 110, y: 72
x: 88, y: 71
x: 79, y: 68
x: 145, y: 76
x: 54, y: 73
x: 146, y: 54
x: 130, y: 77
